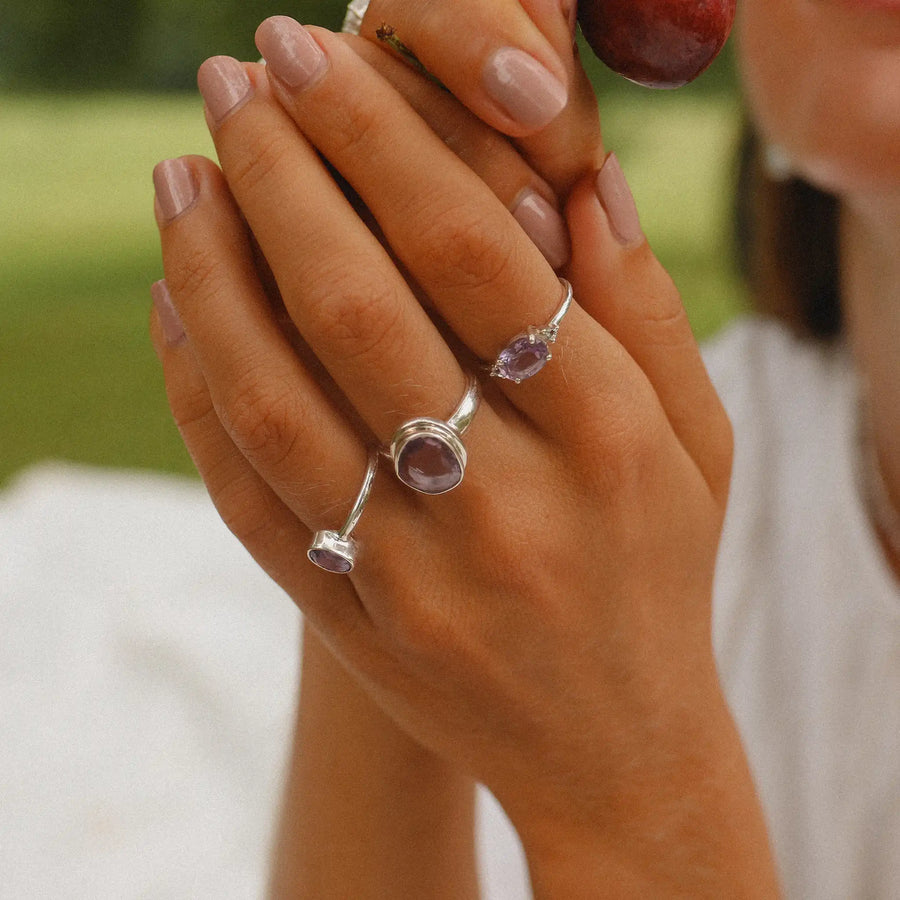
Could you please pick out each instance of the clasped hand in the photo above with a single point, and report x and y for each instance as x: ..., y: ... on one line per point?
x: 545, y: 625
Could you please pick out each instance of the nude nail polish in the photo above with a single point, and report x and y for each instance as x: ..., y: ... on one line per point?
x: 523, y: 88
x: 176, y: 188
x: 290, y: 52
x: 169, y: 320
x: 544, y: 225
x: 224, y: 85
x: 617, y: 200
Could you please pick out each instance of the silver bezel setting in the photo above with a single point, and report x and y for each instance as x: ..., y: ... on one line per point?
x: 343, y: 547
x: 339, y: 542
x: 420, y: 428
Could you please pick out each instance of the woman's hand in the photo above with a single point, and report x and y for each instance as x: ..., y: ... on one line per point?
x: 545, y: 626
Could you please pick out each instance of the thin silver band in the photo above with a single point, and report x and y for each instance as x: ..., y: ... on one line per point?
x: 335, y: 551
x: 362, y: 497
x: 468, y: 406
x: 551, y: 329
x: 353, y: 18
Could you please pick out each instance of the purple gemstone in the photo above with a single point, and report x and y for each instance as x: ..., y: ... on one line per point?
x: 521, y: 358
x: 427, y: 464
x: 330, y: 561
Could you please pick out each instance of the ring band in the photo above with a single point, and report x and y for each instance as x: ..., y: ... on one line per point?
x: 353, y: 18
x: 527, y: 353
x: 428, y: 454
x: 335, y: 551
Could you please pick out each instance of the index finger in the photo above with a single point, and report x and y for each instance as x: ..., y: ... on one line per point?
x: 491, y: 56
x: 486, y: 54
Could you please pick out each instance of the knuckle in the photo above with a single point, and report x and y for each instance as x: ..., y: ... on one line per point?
x: 477, y: 250
x: 263, y: 419
x: 257, y: 163
x: 244, y: 509
x: 353, y: 130
x: 192, y: 408
x: 357, y: 321
x: 198, y: 273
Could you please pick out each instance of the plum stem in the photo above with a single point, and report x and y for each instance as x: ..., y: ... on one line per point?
x: 387, y: 34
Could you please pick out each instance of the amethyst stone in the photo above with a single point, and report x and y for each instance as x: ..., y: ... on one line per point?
x: 428, y: 465
x: 521, y: 358
x: 330, y: 561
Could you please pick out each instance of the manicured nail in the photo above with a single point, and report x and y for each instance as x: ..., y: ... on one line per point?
x: 527, y: 91
x: 616, y: 198
x: 176, y: 189
x: 169, y: 320
x: 290, y: 52
x: 224, y: 85
x: 544, y: 225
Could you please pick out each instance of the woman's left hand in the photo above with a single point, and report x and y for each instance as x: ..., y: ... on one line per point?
x: 545, y: 625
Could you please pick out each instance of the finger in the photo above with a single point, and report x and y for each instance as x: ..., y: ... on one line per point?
x: 484, y: 277
x: 489, y: 154
x: 249, y: 507
x: 344, y: 293
x: 567, y: 146
x: 571, y: 145
x: 490, y: 56
x: 624, y: 287
x: 274, y: 409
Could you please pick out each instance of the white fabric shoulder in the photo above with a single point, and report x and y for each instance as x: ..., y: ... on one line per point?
x: 147, y: 679
x: 807, y: 616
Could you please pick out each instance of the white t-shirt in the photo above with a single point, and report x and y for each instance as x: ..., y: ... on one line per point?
x: 147, y: 668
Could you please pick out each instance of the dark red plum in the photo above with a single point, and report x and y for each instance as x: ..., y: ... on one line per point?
x: 657, y: 43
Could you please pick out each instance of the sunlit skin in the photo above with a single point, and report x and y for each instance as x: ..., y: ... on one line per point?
x: 604, y: 789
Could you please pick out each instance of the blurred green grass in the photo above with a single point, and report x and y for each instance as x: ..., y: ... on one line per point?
x: 78, y: 251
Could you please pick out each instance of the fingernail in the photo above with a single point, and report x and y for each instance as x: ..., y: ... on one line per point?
x: 290, y: 52
x: 169, y: 320
x: 527, y: 91
x: 176, y: 189
x: 544, y: 225
x: 617, y: 200
x: 224, y: 85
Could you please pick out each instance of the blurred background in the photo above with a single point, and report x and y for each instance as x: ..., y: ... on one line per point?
x: 92, y: 95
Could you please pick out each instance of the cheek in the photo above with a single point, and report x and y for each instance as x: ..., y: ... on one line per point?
x: 828, y: 95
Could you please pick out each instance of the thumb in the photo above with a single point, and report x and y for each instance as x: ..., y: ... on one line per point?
x: 619, y: 281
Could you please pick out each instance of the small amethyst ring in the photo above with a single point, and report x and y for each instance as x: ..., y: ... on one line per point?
x: 527, y: 353
x: 428, y: 454
x: 335, y: 551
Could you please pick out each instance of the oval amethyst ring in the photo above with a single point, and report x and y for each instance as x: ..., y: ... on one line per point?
x: 527, y: 353
x: 335, y: 551
x: 428, y: 454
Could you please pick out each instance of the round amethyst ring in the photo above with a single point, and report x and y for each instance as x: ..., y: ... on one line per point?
x: 428, y: 454
x: 335, y: 551
x: 527, y: 353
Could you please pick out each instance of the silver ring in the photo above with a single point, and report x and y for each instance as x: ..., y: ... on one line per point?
x: 335, y: 551
x: 353, y: 18
x: 527, y: 353
x: 428, y: 454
